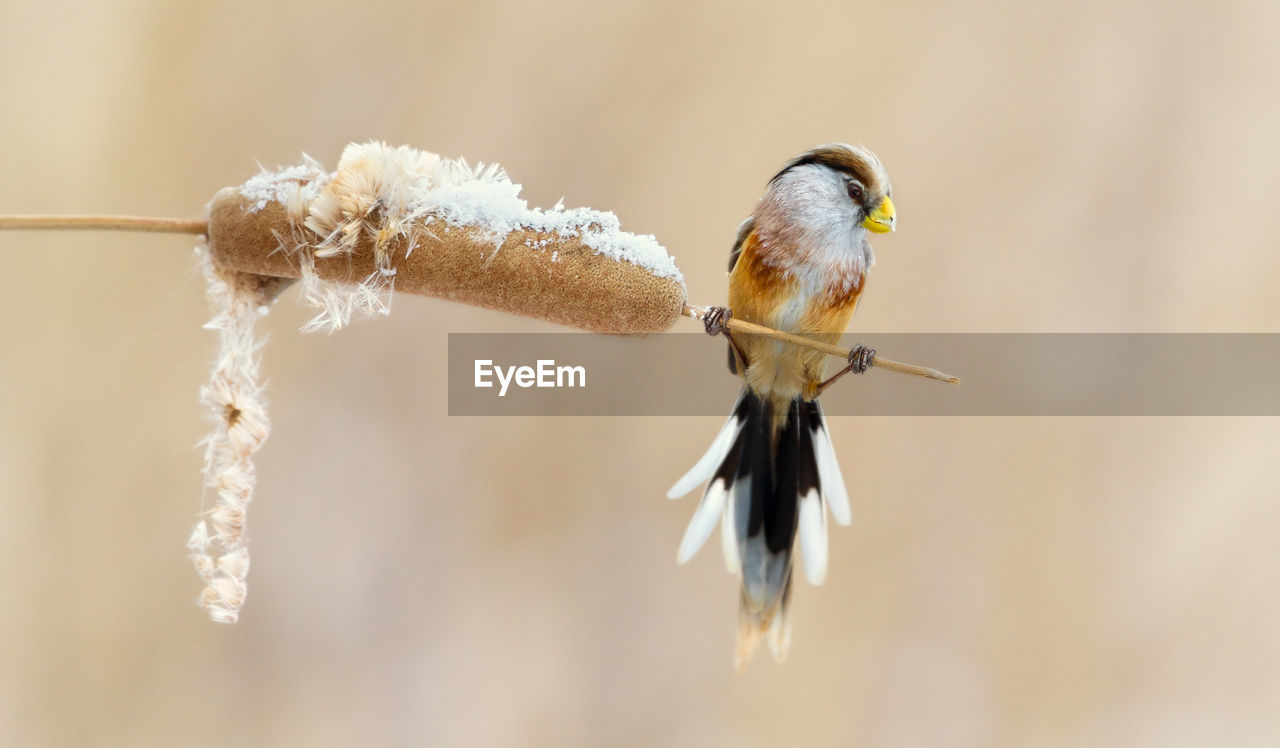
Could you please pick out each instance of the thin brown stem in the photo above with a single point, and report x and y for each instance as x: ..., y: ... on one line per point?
x: 108, y: 223
x: 750, y: 328
x: 201, y: 227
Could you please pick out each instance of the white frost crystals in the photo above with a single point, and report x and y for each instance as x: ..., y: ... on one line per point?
x: 293, y: 186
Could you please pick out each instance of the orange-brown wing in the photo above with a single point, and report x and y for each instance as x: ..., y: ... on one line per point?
x: 744, y: 230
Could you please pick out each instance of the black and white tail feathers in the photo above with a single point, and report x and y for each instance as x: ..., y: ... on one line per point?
x: 771, y: 477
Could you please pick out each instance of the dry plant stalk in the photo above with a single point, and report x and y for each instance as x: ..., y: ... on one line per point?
x: 751, y: 328
x: 197, y: 226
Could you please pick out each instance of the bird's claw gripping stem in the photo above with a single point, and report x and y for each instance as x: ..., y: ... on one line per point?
x: 716, y: 320
x: 861, y: 358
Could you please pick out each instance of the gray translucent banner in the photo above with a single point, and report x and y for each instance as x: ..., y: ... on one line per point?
x: 1001, y: 374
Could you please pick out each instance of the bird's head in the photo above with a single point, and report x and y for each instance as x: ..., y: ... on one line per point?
x: 835, y: 184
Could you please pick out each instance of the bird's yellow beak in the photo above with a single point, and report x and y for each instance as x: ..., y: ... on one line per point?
x: 883, y: 219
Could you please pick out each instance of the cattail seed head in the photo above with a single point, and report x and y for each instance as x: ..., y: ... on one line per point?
x: 390, y: 218
x: 434, y: 226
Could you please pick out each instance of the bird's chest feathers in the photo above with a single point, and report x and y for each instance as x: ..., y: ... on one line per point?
x: 818, y: 277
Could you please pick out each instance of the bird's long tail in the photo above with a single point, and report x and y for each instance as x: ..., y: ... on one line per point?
x: 771, y: 477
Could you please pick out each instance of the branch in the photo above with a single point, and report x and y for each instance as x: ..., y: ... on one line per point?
x: 751, y: 328
x: 114, y: 223
x: 201, y: 227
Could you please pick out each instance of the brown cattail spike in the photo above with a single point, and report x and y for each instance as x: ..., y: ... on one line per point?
x: 432, y: 226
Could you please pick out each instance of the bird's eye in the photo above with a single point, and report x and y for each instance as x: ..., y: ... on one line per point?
x: 855, y: 190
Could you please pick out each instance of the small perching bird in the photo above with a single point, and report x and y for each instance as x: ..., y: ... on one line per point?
x: 799, y: 265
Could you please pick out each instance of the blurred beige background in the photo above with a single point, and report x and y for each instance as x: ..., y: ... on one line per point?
x: 417, y: 579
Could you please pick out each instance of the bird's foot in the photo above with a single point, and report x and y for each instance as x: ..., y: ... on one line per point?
x: 716, y: 320
x: 861, y: 358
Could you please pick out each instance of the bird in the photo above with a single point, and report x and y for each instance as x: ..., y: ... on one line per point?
x: 799, y: 264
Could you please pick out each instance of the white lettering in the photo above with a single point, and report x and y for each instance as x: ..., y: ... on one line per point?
x: 483, y: 367
x: 504, y: 382
x: 569, y: 371
x: 545, y: 374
